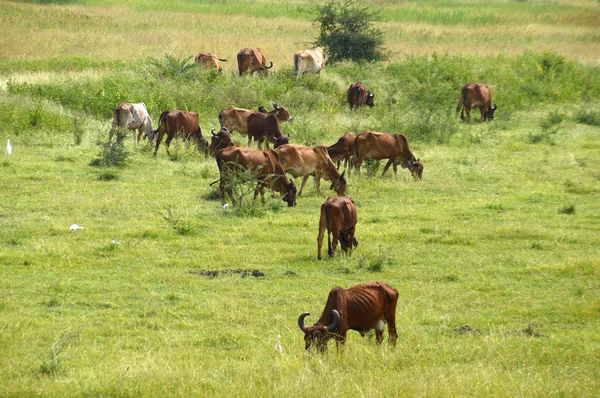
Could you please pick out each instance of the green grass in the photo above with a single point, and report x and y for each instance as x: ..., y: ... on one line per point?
x: 495, y: 253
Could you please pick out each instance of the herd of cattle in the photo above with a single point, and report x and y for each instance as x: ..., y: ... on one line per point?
x: 363, y: 307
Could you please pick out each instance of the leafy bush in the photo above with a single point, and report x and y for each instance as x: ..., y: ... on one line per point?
x: 112, y: 153
x: 347, y: 32
x: 171, y: 67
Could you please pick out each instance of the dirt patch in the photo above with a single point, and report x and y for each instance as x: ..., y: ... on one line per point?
x: 214, y: 273
x: 466, y: 329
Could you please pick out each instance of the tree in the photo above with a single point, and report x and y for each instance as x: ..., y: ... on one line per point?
x: 347, y: 32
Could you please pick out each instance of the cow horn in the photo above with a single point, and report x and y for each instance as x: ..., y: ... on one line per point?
x: 495, y: 107
x: 269, y: 67
x: 212, y: 131
x: 301, y: 320
x: 288, y: 135
x: 275, y: 106
x: 336, y: 321
x: 342, y: 176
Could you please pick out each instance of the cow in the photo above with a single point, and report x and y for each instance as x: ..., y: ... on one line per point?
x: 311, y: 61
x: 475, y: 95
x: 250, y: 60
x: 338, y: 216
x: 132, y: 117
x: 342, y: 149
x: 362, y: 308
x: 182, y: 124
x: 359, y: 96
x: 209, y: 61
x: 264, y: 162
x: 236, y: 119
x: 220, y: 141
x: 302, y: 161
x: 266, y: 125
x: 394, y: 147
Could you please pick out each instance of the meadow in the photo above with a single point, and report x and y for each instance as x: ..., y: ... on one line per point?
x: 495, y: 254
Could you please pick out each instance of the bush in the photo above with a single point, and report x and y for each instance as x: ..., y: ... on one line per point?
x: 112, y: 154
x: 347, y: 32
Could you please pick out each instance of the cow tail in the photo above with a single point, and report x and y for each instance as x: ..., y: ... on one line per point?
x: 240, y: 60
x: 461, y: 102
x: 297, y: 62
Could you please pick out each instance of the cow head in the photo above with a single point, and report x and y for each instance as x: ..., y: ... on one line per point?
x: 416, y: 168
x: 370, y: 99
x: 279, y: 141
x: 282, y: 114
x: 220, y: 140
x: 339, y: 185
x: 347, y: 243
x: 290, y: 195
x: 318, y: 335
x: 489, y: 114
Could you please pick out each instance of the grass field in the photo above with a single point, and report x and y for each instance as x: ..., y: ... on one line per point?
x: 495, y: 254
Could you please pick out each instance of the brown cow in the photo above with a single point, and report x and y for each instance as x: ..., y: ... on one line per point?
x: 362, y: 308
x: 309, y: 61
x: 220, y: 141
x: 132, y: 117
x: 209, y: 61
x: 236, y: 119
x: 342, y: 149
x: 302, y: 161
x: 266, y: 125
x: 394, y: 147
x: 338, y: 216
x: 359, y: 96
x: 182, y: 124
x: 250, y: 60
x: 266, y: 162
x: 475, y: 95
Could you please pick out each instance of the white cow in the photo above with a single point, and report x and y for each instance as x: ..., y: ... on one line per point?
x: 132, y: 117
x: 309, y: 61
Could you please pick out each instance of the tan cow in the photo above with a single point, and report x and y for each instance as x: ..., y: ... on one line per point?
x: 236, y: 119
x: 250, y: 60
x: 309, y: 61
x: 132, y: 117
x: 394, y: 147
x: 302, y: 161
x: 475, y: 95
x: 208, y: 61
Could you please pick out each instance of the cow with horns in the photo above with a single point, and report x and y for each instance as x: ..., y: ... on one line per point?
x: 362, y: 308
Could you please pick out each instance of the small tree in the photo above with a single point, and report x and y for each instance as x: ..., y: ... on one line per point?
x: 347, y: 32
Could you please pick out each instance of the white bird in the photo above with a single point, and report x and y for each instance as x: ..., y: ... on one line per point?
x: 278, y: 347
x: 114, y: 242
x: 226, y: 206
x: 8, y: 147
x: 75, y: 227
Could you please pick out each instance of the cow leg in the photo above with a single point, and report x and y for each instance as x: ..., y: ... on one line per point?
x: 304, y: 179
x: 322, y: 227
x: 390, y: 318
x: 379, y: 327
x: 318, y: 182
x: 334, y: 243
x: 168, y: 142
x: 139, y: 137
x: 468, y: 114
x: 396, y: 170
x: 387, y: 166
x: 158, y: 141
x: 482, y: 109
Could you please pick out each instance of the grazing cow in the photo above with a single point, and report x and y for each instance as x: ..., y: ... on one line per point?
x: 266, y: 125
x: 250, y: 60
x: 338, y: 216
x: 309, y: 61
x: 394, y: 147
x: 359, y: 96
x: 132, y: 117
x: 475, y: 95
x: 302, y: 161
x: 209, y: 61
x: 362, y: 308
x: 266, y: 162
x: 236, y: 119
x: 183, y: 124
x: 342, y: 149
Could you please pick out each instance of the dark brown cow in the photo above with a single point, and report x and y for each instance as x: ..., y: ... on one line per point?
x: 394, y: 147
x: 269, y: 168
x: 220, y: 141
x: 181, y: 124
x: 266, y: 125
x: 338, y: 216
x: 359, y: 96
x: 250, y: 60
x: 362, y: 308
x: 236, y: 119
x: 302, y: 161
x: 209, y: 61
x: 475, y: 95
x: 342, y: 149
